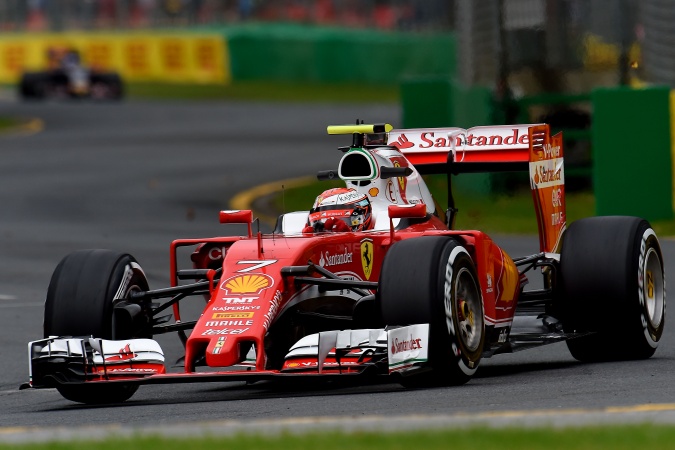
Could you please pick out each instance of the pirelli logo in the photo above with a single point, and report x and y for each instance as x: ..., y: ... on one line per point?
x: 233, y: 315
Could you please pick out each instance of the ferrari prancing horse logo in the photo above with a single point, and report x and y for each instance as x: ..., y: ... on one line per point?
x: 367, y: 257
x: 401, y: 180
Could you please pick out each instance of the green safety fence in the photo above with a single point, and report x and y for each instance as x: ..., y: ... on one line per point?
x: 632, y: 166
x: 290, y: 52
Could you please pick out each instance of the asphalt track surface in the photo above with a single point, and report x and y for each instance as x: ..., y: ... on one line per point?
x: 134, y: 176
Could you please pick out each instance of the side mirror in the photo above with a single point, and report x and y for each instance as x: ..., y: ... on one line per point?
x: 244, y: 216
x: 400, y: 211
x: 236, y: 216
x: 417, y: 211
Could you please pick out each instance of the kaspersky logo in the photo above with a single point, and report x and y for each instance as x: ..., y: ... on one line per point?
x: 247, y: 284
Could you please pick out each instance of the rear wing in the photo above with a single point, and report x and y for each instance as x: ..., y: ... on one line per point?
x: 478, y: 149
x: 496, y: 149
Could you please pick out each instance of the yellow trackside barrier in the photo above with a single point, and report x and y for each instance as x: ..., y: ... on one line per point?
x: 17, y: 54
x: 164, y: 57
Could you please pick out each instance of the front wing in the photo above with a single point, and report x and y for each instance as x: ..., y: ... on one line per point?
x: 60, y: 360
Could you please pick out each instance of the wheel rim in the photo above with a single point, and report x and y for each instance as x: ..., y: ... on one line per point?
x: 653, y: 290
x: 469, y: 310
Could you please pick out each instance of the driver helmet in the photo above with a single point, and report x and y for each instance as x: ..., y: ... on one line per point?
x: 345, y: 204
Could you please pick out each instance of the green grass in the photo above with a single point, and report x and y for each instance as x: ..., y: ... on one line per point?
x: 504, y: 213
x: 489, y: 213
x: 509, y: 214
x: 267, y: 91
x: 629, y: 437
x: 8, y: 123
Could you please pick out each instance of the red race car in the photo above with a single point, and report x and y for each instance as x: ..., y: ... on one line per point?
x: 373, y: 281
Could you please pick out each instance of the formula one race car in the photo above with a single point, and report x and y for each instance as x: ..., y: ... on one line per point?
x: 67, y: 78
x: 373, y: 281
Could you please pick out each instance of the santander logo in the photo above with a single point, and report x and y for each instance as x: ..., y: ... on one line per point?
x: 477, y: 138
x: 407, y: 345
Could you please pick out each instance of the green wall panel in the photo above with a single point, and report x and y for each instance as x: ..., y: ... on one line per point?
x: 631, y: 152
x: 285, y: 52
x: 427, y: 102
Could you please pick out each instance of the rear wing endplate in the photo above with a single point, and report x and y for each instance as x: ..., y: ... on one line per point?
x: 547, y: 183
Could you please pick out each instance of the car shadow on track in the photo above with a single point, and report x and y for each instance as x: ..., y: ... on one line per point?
x: 235, y: 391
x: 502, y: 370
x: 288, y: 389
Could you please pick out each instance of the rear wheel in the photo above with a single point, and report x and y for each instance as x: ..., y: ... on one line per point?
x: 80, y: 302
x: 613, y: 287
x: 433, y: 280
x: 107, y: 86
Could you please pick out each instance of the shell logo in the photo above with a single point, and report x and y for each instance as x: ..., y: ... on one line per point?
x: 247, y: 284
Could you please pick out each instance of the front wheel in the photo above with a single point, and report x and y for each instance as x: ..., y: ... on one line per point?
x: 81, y: 297
x: 613, y: 288
x: 433, y: 280
x: 33, y: 86
x: 97, y: 394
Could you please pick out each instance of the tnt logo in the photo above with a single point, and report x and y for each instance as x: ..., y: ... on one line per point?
x: 239, y: 300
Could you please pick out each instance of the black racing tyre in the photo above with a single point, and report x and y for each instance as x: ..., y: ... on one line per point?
x: 613, y: 286
x: 97, y: 394
x: 33, y: 86
x: 82, y: 292
x: 80, y: 302
x: 107, y: 86
x: 432, y: 279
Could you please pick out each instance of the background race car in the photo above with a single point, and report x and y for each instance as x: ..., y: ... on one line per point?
x: 66, y: 78
x: 399, y: 294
